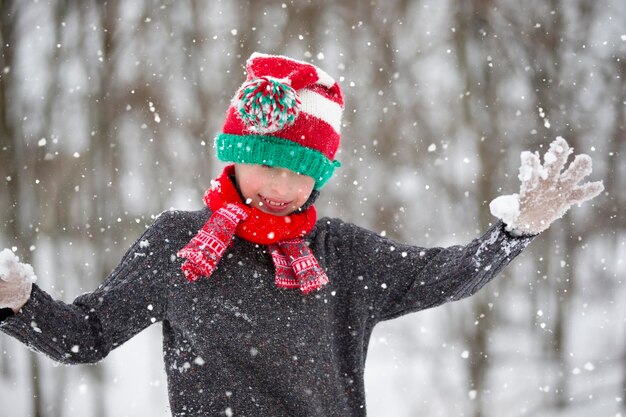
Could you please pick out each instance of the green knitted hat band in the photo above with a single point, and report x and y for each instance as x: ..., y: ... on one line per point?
x: 273, y: 151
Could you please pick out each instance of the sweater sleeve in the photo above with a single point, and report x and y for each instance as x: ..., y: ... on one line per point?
x: 132, y: 297
x: 393, y: 279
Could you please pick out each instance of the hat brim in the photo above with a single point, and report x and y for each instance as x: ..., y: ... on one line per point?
x: 273, y: 151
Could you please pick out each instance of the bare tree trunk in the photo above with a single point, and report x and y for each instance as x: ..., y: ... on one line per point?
x: 103, y: 158
x: 13, y: 153
x: 384, y: 147
x: 612, y: 182
x: 470, y: 21
x: 564, y: 289
x: 7, y: 161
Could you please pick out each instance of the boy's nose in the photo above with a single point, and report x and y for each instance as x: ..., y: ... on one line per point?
x: 280, y: 184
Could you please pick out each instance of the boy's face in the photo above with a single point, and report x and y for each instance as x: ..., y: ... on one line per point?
x: 274, y: 190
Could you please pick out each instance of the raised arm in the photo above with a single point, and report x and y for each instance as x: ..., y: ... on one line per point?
x: 130, y: 299
x: 396, y: 279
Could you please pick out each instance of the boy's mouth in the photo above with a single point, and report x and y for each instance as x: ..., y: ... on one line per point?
x: 273, y: 205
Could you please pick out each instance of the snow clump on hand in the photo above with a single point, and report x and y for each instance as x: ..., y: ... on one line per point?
x: 505, y: 207
x: 16, y: 280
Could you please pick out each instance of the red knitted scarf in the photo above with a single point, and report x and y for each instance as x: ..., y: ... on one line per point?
x: 294, y: 263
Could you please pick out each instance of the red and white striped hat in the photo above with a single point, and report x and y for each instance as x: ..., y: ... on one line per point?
x: 288, y: 114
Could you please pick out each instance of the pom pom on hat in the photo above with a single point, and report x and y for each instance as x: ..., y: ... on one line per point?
x: 267, y: 104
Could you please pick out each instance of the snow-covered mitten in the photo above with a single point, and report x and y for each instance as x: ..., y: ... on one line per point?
x: 16, y: 281
x: 546, y: 193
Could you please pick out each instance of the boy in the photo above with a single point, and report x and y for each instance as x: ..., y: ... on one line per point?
x: 275, y: 314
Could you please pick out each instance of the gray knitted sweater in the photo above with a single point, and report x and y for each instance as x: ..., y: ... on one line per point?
x: 236, y: 344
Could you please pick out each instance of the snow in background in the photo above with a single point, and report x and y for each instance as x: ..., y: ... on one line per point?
x: 109, y: 113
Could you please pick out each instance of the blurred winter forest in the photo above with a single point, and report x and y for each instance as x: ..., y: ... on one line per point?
x: 107, y: 116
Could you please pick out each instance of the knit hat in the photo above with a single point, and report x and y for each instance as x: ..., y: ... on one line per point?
x: 286, y: 114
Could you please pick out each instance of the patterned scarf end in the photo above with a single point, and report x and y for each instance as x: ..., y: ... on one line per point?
x: 191, y: 272
x: 315, y: 284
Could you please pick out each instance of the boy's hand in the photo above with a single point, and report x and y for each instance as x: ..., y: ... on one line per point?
x: 16, y: 281
x: 546, y: 193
